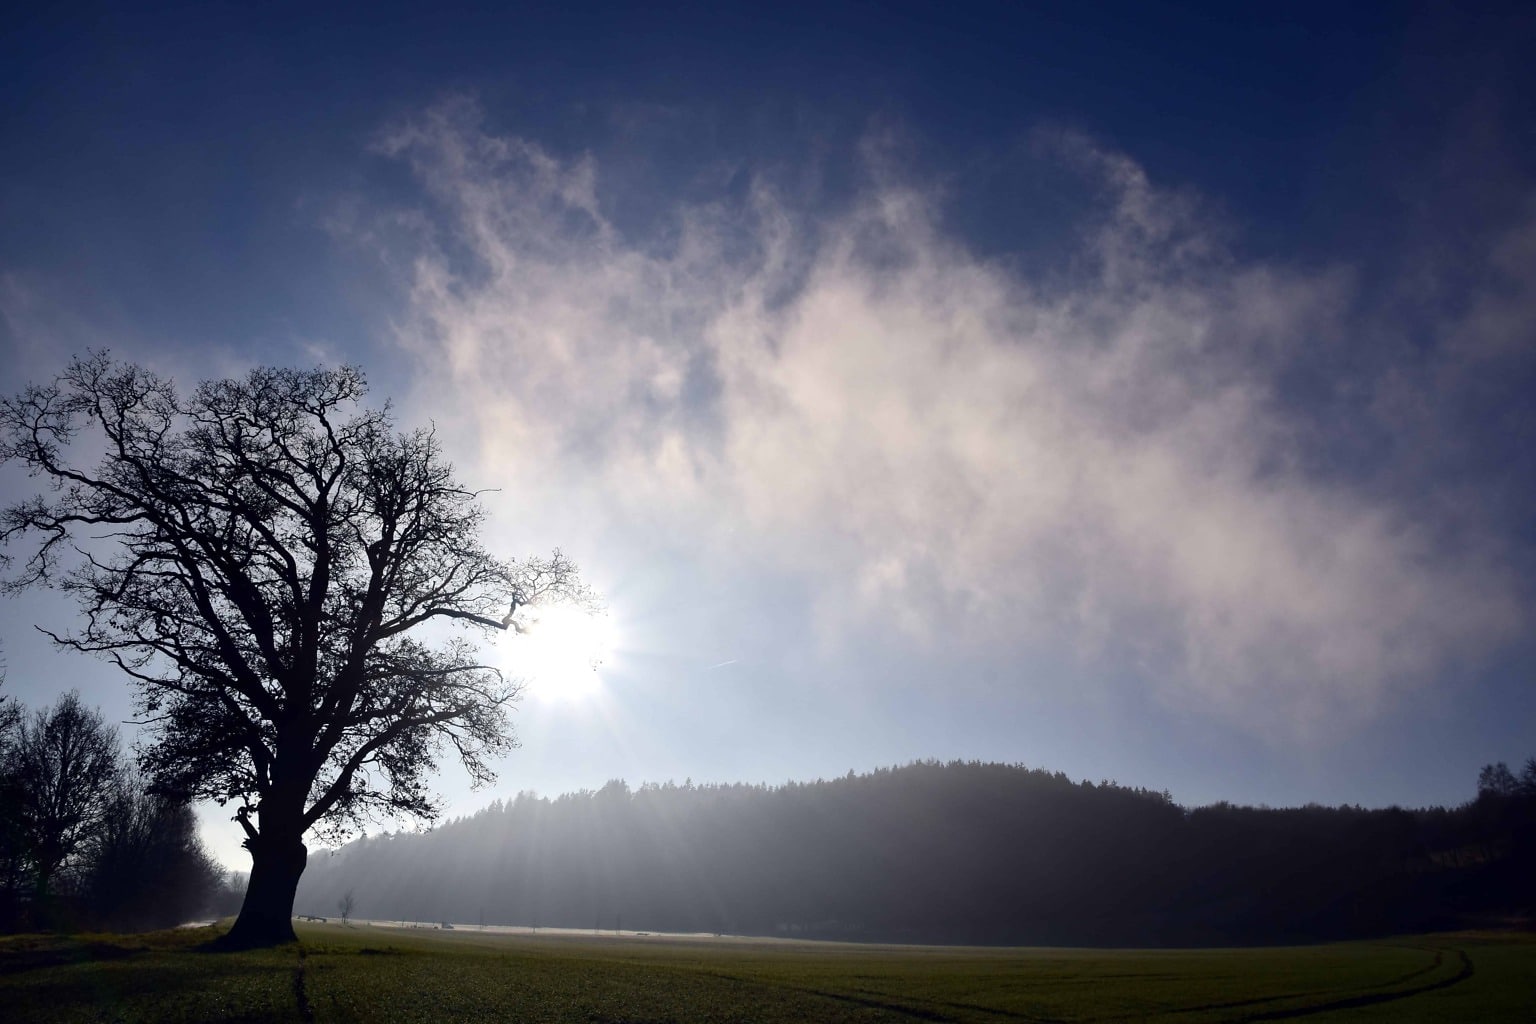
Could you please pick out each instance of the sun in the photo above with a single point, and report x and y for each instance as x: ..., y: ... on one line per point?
x: 559, y: 649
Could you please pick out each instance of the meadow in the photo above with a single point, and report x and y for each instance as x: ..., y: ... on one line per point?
x: 374, y: 973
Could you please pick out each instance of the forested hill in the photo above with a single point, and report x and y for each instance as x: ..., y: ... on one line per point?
x: 961, y: 852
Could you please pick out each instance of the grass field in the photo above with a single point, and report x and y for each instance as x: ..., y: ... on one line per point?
x: 368, y: 973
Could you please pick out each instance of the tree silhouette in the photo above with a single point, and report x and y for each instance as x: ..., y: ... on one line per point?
x: 346, y: 904
x: 65, y: 768
x: 13, y: 846
x: 146, y: 867
x: 269, y: 560
x: 1497, y: 780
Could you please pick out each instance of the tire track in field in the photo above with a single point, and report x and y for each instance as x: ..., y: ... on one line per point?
x: 1439, y: 959
x: 996, y: 1011
x: 1259, y: 1000
x: 1372, y: 999
x: 971, y: 1007
x: 869, y: 1001
x: 916, y: 1012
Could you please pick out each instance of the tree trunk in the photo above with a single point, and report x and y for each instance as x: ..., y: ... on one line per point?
x: 266, y: 916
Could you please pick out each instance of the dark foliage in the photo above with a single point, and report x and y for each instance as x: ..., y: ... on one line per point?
x: 960, y: 852
x: 61, y: 771
x: 13, y: 842
x: 82, y: 843
x: 275, y: 550
x: 148, y: 868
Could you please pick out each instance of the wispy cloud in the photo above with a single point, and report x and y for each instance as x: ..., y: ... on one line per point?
x: 945, y: 450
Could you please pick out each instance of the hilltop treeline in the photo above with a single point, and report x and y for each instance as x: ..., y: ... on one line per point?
x: 957, y: 852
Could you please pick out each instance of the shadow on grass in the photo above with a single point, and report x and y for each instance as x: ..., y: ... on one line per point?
x: 151, y: 977
x: 19, y: 961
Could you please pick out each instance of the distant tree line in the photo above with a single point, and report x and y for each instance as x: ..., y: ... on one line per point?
x: 957, y: 852
x: 83, y: 842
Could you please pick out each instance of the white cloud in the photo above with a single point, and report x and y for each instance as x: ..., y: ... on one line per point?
x: 933, y: 442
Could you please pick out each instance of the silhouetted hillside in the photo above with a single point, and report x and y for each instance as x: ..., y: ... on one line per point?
x: 962, y: 852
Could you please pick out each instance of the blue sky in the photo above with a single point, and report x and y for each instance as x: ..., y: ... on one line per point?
x: 1138, y: 390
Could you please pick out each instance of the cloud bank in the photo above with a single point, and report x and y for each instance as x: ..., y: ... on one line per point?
x: 946, y: 451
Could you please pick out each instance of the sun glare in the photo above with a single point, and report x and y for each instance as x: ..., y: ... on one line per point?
x: 560, y: 650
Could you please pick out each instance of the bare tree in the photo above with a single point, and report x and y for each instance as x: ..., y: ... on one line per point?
x: 146, y: 867
x: 1496, y: 780
x: 346, y: 904
x: 271, y: 562
x: 10, y: 713
x: 13, y: 844
x: 66, y: 766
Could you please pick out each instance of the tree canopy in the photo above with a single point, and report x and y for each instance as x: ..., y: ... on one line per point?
x: 270, y: 559
x: 63, y: 769
x: 83, y: 843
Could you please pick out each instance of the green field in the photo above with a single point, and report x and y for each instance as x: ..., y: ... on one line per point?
x: 369, y: 973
